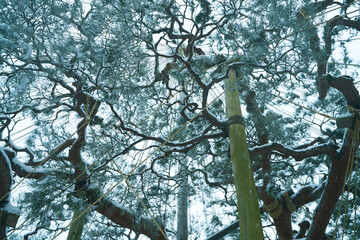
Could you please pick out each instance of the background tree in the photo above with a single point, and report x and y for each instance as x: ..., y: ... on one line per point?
x: 98, y: 82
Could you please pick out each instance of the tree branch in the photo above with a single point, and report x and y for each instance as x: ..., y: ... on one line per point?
x: 337, y: 174
x: 125, y: 218
x: 345, y: 84
x: 300, y: 154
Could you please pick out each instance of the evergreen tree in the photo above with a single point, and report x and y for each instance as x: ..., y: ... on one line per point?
x: 99, y: 83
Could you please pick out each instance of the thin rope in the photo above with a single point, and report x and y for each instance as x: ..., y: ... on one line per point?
x: 301, y: 31
x: 43, y: 161
x: 91, y: 222
x: 17, y: 228
x: 108, y: 150
x: 22, y: 136
x: 236, y: 59
x: 141, y: 155
x: 21, y: 130
x: 312, y: 128
x: 158, y: 148
x: 353, y: 151
x: 338, y: 7
x: 309, y: 109
x: 129, y: 184
x: 317, y: 24
x: 351, y: 156
x: 142, y: 203
x: 347, y: 64
x: 85, y: 123
x: 355, y: 194
x: 348, y: 40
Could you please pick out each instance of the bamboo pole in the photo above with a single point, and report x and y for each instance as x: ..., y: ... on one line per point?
x: 248, y: 205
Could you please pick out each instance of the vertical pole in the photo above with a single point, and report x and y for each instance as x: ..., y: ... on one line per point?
x: 248, y: 205
x: 76, y: 228
x: 182, y: 232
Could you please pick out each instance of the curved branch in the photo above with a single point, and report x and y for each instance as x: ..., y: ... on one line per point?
x: 337, y: 173
x: 347, y: 23
x: 124, y: 217
x: 186, y: 144
x: 299, y: 154
x: 345, y: 84
x: 307, y: 194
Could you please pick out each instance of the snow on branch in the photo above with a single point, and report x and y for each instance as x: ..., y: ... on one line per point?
x: 300, y: 154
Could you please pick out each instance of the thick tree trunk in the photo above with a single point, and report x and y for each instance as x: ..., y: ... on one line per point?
x: 5, y: 185
x: 330, y: 196
x: 337, y: 174
x: 3, y: 228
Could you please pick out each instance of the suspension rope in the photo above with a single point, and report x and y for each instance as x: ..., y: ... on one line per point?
x: 142, y: 203
x: 355, y: 191
x: 306, y: 108
x: 46, y: 159
x: 85, y: 123
x: 301, y: 12
x: 129, y: 185
x: 347, y: 64
x: 318, y: 24
x: 108, y: 150
x: 353, y: 151
x: 299, y: 31
x: 17, y: 228
x: 284, y: 112
x: 157, y: 149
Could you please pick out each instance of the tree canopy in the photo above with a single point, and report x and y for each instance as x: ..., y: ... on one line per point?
x: 112, y: 110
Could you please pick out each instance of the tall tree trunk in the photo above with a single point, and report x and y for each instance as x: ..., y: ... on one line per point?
x: 3, y: 228
x: 182, y: 204
x: 5, y: 186
x: 183, y: 196
x: 76, y: 228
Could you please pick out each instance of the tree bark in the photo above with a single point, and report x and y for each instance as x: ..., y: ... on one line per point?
x: 182, y: 208
x: 337, y: 174
x: 5, y: 186
x: 183, y: 195
x: 333, y: 190
x: 123, y: 217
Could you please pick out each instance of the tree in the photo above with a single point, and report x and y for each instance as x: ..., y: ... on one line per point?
x: 98, y: 82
